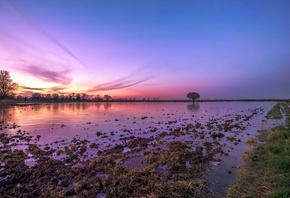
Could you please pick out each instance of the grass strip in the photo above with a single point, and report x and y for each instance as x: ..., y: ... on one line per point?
x: 267, y: 169
x: 275, y: 112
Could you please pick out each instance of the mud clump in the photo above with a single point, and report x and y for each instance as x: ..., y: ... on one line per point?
x: 138, y: 142
x: 217, y: 135
x: 71, y: 176
x: 180, y: 160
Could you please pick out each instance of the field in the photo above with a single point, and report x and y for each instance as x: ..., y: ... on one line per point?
x: 125, y: 149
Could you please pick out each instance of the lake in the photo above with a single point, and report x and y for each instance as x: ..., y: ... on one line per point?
x: 220, y: 129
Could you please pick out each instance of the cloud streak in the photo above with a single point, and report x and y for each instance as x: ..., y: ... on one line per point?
x: 31, y: 88
x: 30, y: 56
x: 56, y: 89
x: 49, y: 75
x: 139, y: 76
x: 24, y: 54
x: 43, y: 32
x: 118, y: 84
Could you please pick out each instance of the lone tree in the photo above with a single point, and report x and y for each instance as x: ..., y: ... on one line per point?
x: 7, y: 86
x: 193, y: 95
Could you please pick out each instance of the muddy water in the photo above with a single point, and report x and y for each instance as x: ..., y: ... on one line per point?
x: 108, y: 124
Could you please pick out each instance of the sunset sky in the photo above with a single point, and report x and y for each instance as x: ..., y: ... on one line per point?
x: 222, y: 49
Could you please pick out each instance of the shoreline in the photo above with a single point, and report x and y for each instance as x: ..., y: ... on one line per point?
x: 266, y: 172
x: 9, y: 103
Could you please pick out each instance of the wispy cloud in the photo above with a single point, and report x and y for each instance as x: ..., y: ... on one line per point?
x: 26, y: 54
x: 45, y: 57
x: 139, y: 76
x: 31, y: 88
x: 56, y: 89
x: 43, y: 32
x: 49, y: 75
x: 118, y: 84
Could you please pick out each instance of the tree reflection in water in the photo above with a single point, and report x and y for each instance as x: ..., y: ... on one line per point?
x: 7, y: 115
x: 193, y: 107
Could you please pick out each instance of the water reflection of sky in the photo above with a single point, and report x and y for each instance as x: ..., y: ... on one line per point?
x: 65, y: 121
x: 194, y: 107
x: 69, y: 119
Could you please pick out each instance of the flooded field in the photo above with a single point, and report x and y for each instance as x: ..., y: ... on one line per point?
x: 173, y: 142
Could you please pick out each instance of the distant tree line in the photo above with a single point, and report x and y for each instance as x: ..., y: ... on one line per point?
x: 79, y: 97
x: 63, y: 97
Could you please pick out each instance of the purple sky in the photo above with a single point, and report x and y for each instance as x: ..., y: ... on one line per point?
x: 147, y: 48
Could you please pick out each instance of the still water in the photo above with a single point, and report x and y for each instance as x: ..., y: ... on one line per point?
x: 106, y: 124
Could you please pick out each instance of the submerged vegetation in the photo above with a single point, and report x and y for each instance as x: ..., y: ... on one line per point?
x: 267, y: 169
x: 164, y: 160
x: 35, y: 172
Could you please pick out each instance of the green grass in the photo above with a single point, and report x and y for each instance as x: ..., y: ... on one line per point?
x: 267, y: 169
x: 275, y: 112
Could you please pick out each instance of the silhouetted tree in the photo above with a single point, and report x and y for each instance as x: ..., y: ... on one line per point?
x: 78, y: 97
x: 36, y: 96
x: 48, y: 96
x: 55, y: 96
x: 193, y: 95
x: 62, y: 97
x: 107, y: 97
x: 74, y: 96
x: 85, y: 97
x: 7, y: 86
x: 98, y: 97
x: 19, y: 97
